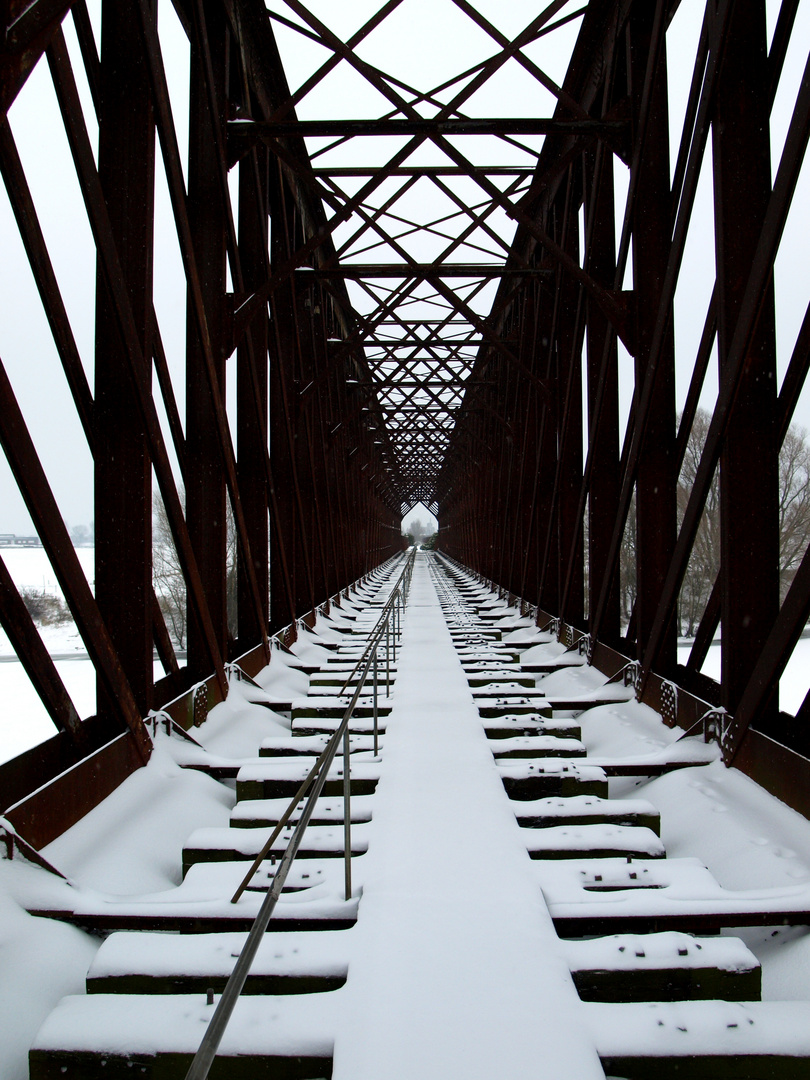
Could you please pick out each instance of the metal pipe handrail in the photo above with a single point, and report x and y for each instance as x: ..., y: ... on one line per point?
x: 206, y: 1053
x: 314, y: 783
x: 330, y: 749
x: 401, y: 587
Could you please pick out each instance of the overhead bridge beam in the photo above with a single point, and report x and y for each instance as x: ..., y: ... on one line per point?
x: 421, y: 270
x: 410, y: 342
x: 258, y: 129
x: 424, y: 170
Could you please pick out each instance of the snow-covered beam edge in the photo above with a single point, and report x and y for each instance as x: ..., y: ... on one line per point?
x: 49, y: 788
x: 780, y: 770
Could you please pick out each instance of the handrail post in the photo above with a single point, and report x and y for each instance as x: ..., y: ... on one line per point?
x: 312, y: 786
x: 347, y: 815
x: 388, y: 658
x: 375, y: 702
x: 394, y: 627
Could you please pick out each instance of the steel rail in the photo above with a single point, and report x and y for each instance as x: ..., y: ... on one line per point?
x: 314, y: 783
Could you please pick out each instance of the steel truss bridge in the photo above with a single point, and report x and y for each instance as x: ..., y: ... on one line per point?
x: 327, y: 285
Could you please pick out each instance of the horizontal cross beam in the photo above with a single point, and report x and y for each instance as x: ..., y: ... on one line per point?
x: 357, y: 171
x: 504, y: 125
x: 408, y: 270
x: 409, y: 343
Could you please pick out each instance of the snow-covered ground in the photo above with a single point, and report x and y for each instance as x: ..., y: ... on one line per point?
x: 23, y: 720
x: 793, y: 685
x: 746, y: 838
x: 30, y: 568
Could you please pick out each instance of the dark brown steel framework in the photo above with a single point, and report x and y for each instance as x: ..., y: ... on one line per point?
x: 458, y: 368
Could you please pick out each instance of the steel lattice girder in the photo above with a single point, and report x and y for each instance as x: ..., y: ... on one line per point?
x: 426, y: 300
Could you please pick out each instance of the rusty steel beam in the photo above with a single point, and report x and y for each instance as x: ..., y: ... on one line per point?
x: 418, y: 270
x: 205, y: 365
x: 339, y: 172
x: 247, y: 131
x: 35, y: 659
x: 570, y: 341
x: 788, y: 396
x: 35, y: 490
x: 602, y: 394
x: 25, y: 34
x: 393, y: 380
x: 656, y: 476
x: 755, y: 292
x: 105, y: 244
x: 209, y: 355
x: 252, y: 433
x: 661, y: 337
x: 39, y: 259
x: 123, y: 533
x: 36, y: 249
x: 749, y: 458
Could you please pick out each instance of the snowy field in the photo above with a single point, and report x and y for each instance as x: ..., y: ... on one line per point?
x: 23, y: 721
x: 794, y: 683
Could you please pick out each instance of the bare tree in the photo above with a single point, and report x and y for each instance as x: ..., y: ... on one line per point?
x: 794, y: 504
x: 628, y: 588
x: 704, y: 559
x: 794, y: 519
x: 167, y: 573
x: 418, y: 531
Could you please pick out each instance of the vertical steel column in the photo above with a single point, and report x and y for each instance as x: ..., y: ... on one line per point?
x: 310, y: 347
x: 506, y: 453
x: 749, y: 527
x: 526, y: 432
x: 335, y: 448
x: 543, y: 445
x: 285, y: 403
x: 281, y: 346
x: 656, y: 484
x: 347, y: 815
x: 603, y: 389
x: 251, y: 434
x: 516, y: 418
x: 205, y: 482
x: 123, y: 471
x: 376, y: 704
x: 322, y: 413
x: 547, y: 504
x: 569, y: 410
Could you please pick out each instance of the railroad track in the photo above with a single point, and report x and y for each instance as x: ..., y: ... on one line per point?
x: 654, y: 990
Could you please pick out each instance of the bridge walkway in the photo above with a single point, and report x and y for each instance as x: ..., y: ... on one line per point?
x: 506, y: 918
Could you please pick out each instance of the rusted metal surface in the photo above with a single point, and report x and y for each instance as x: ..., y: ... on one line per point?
x: 49, y: 811
x: 26, y: 32
x: 51, y: 529
x: 780, y: 770
x: 123, y: 537
x: 430, y: 302
x: 749, y: 459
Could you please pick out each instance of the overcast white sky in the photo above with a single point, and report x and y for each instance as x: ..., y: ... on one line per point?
x: 424, y: 42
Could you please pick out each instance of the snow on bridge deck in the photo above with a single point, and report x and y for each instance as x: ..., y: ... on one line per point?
x: 456, y: 970
x: 454, y: 967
